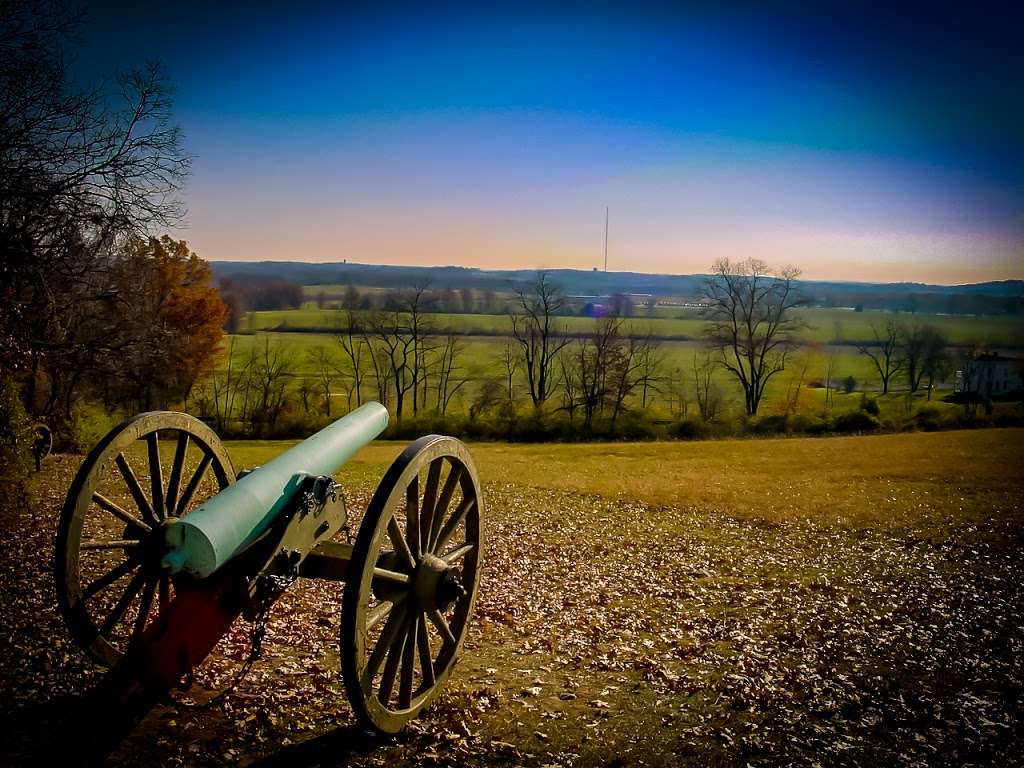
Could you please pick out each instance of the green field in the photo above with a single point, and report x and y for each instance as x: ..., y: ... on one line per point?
x: 830, y: 337
x: 844, y: 601
x: 821, y: 325
x: 480, y: 359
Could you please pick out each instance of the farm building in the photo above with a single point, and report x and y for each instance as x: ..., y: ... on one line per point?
x: 991, y: 375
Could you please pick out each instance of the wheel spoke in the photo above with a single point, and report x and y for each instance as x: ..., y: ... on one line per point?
x: 453, y: 522
x: 426, y: 659
x: 136, y: 490
x: 144, y: 605
x: 412, y: 516
x: 115, y: 544
x: 458, y: 553
x: 110, y: 577
x: 395, y: 622
x: 122, y: 604
x: 430, y: 498
x: 156, y: 474
x: 387, y: 677
x: 442, y: 626
x: 392, y: 577
x: 193, y: 483
x: 379, y: 612
x: 174, y: 484
x: 399, y: 543
x: 408, y: 663
x: 454, y: 475
x: 123, y: 515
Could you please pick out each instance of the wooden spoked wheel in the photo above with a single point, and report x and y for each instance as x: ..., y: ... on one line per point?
x: 110, y: 539
x: 412, y: 582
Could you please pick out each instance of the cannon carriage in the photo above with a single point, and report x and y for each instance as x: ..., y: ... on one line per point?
x: 161, y: 547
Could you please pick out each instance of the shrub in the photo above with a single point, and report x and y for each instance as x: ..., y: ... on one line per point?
x: 295, y: 424
x: 928, y: 418
x: 1009, y: 417
x: 869, y: 406
x: 849, y: 384
x: 533, y: 428
x: 809, y: 425
x: 856, y: 421
x: 634, y: 425
x: 689, y: 429
x: 15, y: 449
x: 768, y: 425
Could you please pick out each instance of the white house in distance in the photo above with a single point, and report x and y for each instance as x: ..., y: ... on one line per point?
x: 991, y: 375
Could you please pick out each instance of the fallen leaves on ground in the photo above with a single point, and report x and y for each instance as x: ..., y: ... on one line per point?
x: 606, y: 632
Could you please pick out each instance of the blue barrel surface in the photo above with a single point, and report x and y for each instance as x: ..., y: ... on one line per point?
x: 211, y: 535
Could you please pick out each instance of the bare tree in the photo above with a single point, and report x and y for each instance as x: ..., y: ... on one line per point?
x: 353, y: 340
x: 678, y: 399
x: 510, y: 363
x: 626, y: 372
x: 326, y: 372
x: 795, y: 384
x: 350, y: 299
x: 273, y: 369
x: 414, y: 304
x: 913, y: 340
x: 380, y: 370
x: 225, y: 386
x: 569, y: 378
x: 750, y: 323
x: 831, y: 359
x: 709, y: 398
x: 538, y: 333
x: 306, y: 390
x: 936, y: 359
x: 596, y: 357
x: 395, y: 357
x: 450, y: 377
x: 923, y: 354
x: 652, y: 360
x: 884, y: 352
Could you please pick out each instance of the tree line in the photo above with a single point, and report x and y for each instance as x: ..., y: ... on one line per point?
x: 591, y: 381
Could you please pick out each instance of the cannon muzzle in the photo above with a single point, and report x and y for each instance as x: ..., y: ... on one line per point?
x: 235, y: 517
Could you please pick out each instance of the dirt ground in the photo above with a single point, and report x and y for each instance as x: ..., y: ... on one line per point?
x: 609, y: 631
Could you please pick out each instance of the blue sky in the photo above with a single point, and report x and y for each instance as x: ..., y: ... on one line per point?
x: 853, y: 141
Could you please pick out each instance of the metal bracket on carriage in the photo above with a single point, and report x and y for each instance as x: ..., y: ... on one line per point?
x: 317, y: 513
x: 303, y: 531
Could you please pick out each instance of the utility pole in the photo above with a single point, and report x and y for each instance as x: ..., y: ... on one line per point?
x: 606, y: 238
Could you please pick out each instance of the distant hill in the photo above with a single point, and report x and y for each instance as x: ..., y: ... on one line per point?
x: 998, y: 297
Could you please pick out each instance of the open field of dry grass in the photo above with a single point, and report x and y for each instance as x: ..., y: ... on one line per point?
x: 840, y: 601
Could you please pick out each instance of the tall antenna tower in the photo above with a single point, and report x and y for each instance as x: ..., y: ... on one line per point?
x: 606, y: 238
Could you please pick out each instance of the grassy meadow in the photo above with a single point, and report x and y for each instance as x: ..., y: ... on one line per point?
x: 891, y: 482
x: 826, y: 326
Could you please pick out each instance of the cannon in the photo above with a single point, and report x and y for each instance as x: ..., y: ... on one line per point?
x: 161, y: 547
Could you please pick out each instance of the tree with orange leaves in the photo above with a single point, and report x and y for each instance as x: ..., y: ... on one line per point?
x: 174, y: 316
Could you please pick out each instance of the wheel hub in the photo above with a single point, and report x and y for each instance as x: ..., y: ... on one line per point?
x: 152, y: 545
x: 436, y: 584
